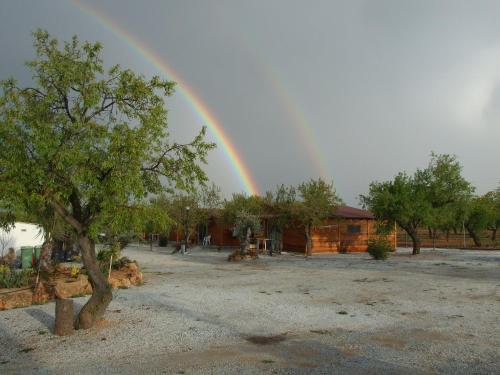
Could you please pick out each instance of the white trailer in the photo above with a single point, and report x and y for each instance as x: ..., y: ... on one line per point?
x: 21, y: 234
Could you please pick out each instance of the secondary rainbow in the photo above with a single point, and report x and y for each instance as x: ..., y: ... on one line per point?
x: 237, y: 164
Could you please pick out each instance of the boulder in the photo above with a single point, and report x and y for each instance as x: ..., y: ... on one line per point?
x: 66, y: 288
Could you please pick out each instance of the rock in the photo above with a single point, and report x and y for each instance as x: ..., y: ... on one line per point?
x: 12, y: 298
x: 65, y: 288
x: 41, y: 294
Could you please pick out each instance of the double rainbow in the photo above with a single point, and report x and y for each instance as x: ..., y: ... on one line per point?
x: 238, y: 166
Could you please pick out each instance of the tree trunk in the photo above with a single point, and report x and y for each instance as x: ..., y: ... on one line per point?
x: 101, y: 297
x: 46, y: 263
x: 415, y: 239
x: 308, y: 240
x: 64, y: 317
x: 473, y: 234
x: 494, y: 234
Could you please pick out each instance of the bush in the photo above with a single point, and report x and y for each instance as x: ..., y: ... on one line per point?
x: 14, y: 278
x: 379, y: 248
x: 120, y: 263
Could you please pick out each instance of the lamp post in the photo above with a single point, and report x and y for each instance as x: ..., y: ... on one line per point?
x: 186, y: 230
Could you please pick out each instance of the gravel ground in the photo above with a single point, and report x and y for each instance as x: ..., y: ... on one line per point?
x: 332, y: 314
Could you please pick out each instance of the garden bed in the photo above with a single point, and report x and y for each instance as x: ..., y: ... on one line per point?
x: 62, y: 285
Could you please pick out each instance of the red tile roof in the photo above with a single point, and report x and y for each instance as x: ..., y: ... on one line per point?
x: 348, y: 212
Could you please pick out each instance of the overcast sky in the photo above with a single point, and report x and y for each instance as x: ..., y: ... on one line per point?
x: 355, y: 91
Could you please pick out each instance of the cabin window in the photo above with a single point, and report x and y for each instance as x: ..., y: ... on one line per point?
x: 354, y: 228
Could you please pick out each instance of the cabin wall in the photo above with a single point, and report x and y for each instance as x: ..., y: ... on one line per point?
x: 221, y: 234
x: 332, y: 235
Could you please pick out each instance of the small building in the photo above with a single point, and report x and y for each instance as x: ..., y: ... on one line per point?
x: 21, y: 234
x: 348, y: 229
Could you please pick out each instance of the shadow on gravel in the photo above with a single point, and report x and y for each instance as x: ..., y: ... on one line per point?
x: 46, y: 319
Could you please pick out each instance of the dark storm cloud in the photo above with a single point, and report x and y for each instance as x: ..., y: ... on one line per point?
x: 379, y: 83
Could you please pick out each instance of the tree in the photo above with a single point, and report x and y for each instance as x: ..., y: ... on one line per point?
x: 244, y: 213
x: 479, y: 214
x: 317, y: 201
x: 402, y: 201
x: 91, y: 145
x: 6, y: 241
x: 446, y: 190
x: 246, y: 224
x: 493, y: 201
x: 279, y: 205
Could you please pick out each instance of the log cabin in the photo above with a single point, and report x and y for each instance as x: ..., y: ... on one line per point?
x: 348, y: 229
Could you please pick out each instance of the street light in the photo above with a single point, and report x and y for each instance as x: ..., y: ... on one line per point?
x: 186, y: 230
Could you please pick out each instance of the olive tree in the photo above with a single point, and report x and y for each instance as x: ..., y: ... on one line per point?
x: 91, y: 144
x: 243, y: 212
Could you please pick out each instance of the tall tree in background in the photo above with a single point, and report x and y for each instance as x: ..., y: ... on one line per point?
x: 90, y: 145
x: 447, y: 190
x: 404, y: 201
x: 493, y: 199
x: 317, y: 200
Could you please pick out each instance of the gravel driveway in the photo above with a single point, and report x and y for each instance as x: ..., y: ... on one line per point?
x: 340, y: 313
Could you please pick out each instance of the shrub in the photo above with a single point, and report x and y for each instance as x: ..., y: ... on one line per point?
x: 120, y: 263
x: 379, y: 248
x: 14, y: 278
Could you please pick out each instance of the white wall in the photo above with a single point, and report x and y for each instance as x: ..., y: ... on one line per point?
x: 22, y: 234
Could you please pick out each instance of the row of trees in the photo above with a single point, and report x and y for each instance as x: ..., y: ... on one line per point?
x: 437, y: 197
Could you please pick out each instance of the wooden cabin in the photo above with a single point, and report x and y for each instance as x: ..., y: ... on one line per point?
x: 348, y: 229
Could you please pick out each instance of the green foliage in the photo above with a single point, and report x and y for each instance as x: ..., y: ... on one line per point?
x: 317, y: 199
x: 89, y: 143
x: 104, y: 256
x: 245, y: 221
x: 251, y: 205
x: 402, y: 201
x: 279, y: 205
x: 14, y: 278
x: 379, y: 248
x: 121, y: 262
x: 479, y: 213
x: 447, y: 191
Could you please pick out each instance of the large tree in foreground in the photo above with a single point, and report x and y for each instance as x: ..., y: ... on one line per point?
x: 404, y: 201
x: 90, y: 144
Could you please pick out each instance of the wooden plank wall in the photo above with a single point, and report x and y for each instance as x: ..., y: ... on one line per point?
x: 327, y: 237
x: 222, y: 234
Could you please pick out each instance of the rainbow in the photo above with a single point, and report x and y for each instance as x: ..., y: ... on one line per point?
x: 307, y: 137
x: 237, y: 164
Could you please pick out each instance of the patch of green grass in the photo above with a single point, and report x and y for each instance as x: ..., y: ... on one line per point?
x: 4, y: 362
x: 42, y: 332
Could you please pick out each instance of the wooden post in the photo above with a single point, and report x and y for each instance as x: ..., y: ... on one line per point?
x: 64, y: 317
x: 395, y: 236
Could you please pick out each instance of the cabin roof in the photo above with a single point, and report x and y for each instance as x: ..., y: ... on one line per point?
x: 349, y: 212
